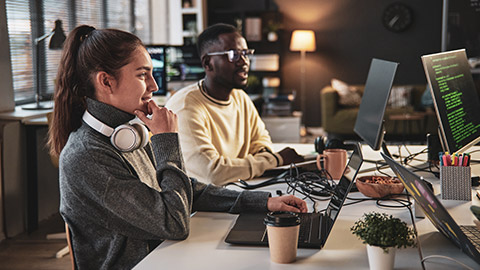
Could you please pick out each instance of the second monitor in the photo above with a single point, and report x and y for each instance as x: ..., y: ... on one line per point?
x: 455, y: 98
x: 369, y: 123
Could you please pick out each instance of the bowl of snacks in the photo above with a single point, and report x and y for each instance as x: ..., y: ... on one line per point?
x: 376, y: 186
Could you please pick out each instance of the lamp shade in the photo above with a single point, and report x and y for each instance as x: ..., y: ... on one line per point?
x: 303, y: 40
x: 58, y: 37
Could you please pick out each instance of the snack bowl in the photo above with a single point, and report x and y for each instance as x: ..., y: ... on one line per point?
x: 376, y: 186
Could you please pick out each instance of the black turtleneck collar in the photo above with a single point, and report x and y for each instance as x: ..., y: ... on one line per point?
x: 108, y: 114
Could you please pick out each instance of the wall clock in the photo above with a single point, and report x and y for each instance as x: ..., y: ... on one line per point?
x: 397, y: 17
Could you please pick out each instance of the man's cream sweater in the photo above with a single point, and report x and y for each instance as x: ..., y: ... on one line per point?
x: 222, y: 141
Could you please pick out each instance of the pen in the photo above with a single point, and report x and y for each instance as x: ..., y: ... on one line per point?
x: 448, y: 159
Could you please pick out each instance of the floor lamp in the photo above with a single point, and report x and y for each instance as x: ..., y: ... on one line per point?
x: 56, y: 43
x: 303, y: 41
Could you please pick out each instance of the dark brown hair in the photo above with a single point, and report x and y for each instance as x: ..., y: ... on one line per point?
x: 86, y: 51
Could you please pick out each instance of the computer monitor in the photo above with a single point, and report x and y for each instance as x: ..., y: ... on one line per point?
x: 158, y: 55
x: 369, y: 123
x: 455, y: 98
x: 183, y: 64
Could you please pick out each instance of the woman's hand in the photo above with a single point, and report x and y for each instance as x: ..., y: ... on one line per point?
x: 162, y: 121
x: 287, y: 203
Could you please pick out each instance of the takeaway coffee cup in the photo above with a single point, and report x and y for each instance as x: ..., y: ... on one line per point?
x: 282, y: 231
x: 334, y: 162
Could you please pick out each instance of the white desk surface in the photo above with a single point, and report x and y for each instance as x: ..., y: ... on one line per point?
x: 205, y: 247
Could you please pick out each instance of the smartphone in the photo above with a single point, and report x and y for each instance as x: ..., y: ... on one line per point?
x: 476, y: 211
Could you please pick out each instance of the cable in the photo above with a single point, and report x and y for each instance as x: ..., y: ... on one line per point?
x: 272, y: 181
x: 406, y: 203
x: 448, y: 258
x: 419, y: 246
x: 316, y: 186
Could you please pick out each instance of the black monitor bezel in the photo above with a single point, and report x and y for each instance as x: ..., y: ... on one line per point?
x: 448, y: 145
x: 385, y: 69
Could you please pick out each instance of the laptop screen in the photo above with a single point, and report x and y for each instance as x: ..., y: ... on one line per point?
x: 343, y: 187
x: 432, y: 207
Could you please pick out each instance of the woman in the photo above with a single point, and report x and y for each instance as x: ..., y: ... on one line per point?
x: 121, y: 203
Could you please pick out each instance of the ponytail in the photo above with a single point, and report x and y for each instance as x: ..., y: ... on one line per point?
x: 86, y: 51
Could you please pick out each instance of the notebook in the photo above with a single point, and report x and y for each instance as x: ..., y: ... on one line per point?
x: 462, y: 236
x: 314, y: 227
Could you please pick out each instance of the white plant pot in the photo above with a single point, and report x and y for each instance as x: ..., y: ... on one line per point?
x: 272, y: 36
x: 379, y: 260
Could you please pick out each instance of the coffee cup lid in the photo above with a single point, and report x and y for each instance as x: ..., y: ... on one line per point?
x: 281, y: 219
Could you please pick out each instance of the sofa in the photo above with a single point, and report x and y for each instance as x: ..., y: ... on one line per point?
x: 338, y: 120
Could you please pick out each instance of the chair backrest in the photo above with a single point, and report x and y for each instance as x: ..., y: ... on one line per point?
x: 70, y: 248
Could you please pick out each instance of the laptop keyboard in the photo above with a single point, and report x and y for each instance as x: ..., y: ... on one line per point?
x: 473, y: 234
x: 307, y: 222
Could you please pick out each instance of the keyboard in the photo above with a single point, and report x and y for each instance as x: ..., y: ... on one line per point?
x: 473, y: 234
x: 308, y: 223
x: 311, y: 229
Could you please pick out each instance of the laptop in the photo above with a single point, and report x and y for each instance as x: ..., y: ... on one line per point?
x: 462, y: 236
x: 314, y: 227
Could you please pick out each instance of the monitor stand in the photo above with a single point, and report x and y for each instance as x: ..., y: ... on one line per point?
x: 385, y: 150
x: 383, y: 147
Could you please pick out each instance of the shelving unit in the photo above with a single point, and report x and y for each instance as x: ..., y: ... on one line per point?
x: 241, y: 15
x: 193, y: 20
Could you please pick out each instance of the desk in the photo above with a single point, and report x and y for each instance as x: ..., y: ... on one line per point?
x: 205, y: 247
x: 19, y: 168
x: 32, y: 126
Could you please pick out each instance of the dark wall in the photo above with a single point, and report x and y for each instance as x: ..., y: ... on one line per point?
x: 349, y: 34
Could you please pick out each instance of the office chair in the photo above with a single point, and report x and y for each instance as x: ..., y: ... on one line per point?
x: 70, y: 248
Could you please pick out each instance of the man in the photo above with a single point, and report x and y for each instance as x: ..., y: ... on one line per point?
x: 222, y: 136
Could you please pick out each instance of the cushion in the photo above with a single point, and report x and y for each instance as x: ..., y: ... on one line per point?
x: 400, y: 97
x: 349, y: 96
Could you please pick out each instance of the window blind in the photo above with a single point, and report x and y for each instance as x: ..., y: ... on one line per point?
x: 97, y: 13
x: 21, y: 50
x: 119, y: 15
x: 53, y: 10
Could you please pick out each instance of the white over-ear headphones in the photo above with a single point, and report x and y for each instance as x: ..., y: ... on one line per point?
x: 126, y: 137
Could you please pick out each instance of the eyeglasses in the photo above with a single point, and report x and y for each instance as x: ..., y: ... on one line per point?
x: 234, y: 55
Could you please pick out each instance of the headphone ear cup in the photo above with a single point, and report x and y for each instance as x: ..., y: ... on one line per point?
x: 319, y: 144
x: 334, y: 144
x: 143, y: 134
x: 129, y: 137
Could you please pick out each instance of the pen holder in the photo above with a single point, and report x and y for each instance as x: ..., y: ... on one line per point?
x: 456, y: 183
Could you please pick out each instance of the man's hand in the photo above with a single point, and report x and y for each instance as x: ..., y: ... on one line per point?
x: 289, y: 155
x: 162, y: 121
x: 287, y: 203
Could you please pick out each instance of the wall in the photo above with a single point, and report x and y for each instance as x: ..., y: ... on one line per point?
x: 349, y: 34
x: 166, y: 22
x: 6, y: 83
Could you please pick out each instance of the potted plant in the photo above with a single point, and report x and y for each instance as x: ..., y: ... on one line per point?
x: 271, y: 29
x: 383, y: 234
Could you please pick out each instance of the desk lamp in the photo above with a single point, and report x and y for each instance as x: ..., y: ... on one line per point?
x: 303, y: 41
x: 56, y: 43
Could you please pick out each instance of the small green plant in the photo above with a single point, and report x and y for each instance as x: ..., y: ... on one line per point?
x: 382, y: 230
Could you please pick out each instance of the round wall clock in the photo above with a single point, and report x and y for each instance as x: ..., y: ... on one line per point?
x: 397, y: 17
